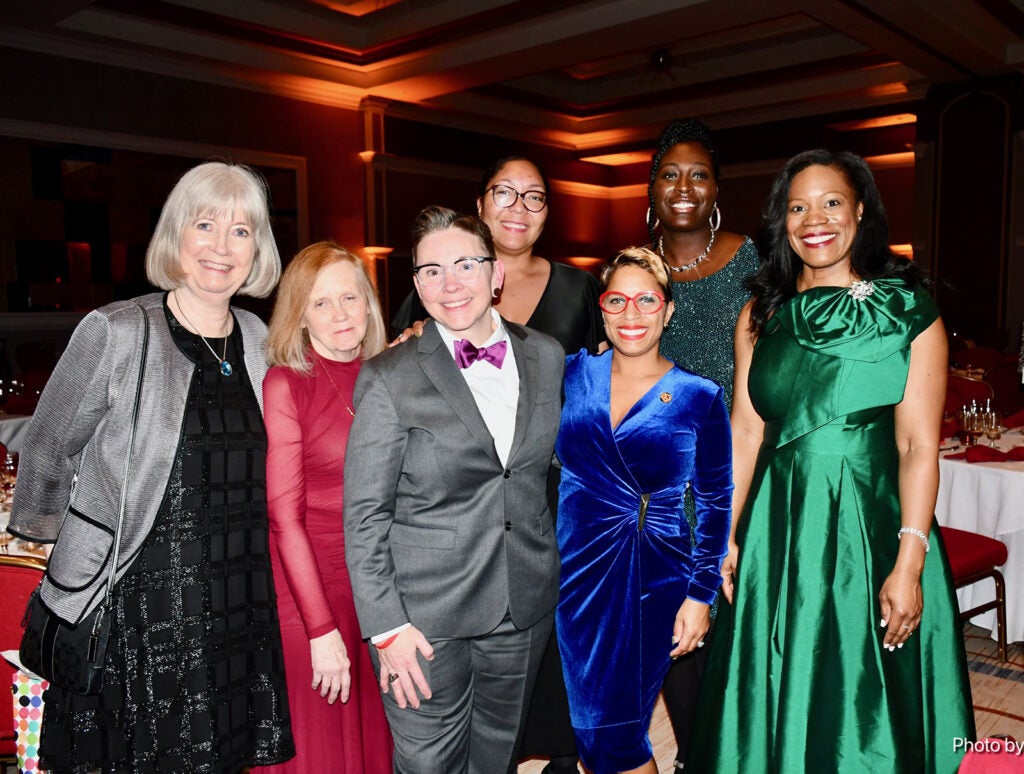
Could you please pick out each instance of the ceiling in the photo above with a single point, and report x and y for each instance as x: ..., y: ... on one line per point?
x: 590, y: 76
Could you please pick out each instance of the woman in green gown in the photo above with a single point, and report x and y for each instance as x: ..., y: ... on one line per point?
x: 841, y: 650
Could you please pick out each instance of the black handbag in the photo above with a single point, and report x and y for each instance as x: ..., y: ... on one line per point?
x: 72, y: 656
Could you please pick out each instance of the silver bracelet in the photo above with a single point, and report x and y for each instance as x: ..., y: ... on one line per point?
x: 916, y: 533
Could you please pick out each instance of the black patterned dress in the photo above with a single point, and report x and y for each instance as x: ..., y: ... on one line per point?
x: 194, y: 678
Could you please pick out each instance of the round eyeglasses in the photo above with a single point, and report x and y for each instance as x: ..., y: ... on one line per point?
x: 647, y: 302
x: 505, y: 196
x: 431, y: 275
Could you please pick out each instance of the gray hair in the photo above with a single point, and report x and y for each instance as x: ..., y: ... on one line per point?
x: 215, y: 189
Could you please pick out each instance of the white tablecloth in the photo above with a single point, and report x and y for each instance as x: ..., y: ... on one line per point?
x: 12, y: 430
x: 988, y: 498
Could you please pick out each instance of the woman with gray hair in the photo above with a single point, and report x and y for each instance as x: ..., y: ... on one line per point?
x: 193, y: 677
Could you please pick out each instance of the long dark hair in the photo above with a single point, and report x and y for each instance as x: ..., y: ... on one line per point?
x: 870, y: 258
x: 677, y: 131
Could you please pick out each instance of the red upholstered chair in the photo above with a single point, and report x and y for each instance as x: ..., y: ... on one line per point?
x: 969, y: 389
x: 1006, y: 384
x: 976, y: 357
x: 19, y: 575
x: 974, y: 557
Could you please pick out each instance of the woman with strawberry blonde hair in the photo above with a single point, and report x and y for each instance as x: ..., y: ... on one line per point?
x: 326, y: 321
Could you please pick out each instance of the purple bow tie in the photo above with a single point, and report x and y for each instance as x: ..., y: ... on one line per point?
x: 466, y: 354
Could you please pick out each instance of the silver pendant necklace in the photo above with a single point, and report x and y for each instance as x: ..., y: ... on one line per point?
x: 225, y: 366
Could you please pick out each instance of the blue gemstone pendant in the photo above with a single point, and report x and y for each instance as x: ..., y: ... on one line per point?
x: 225, y: 368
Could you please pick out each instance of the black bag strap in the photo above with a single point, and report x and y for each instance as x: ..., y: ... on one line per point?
x: 127, y: 462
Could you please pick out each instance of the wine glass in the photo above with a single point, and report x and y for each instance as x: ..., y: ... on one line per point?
x: 974, y: 426
x: 8, y: 476
x: 993, y: 425
x: 5, y: 536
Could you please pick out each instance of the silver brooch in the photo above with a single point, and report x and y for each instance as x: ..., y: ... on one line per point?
x: 861, y: 289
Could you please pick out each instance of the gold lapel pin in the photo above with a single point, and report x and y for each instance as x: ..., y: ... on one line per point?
x: 666, y: 397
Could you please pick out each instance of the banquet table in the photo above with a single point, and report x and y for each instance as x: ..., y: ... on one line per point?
x: 988, y: 498
x: 12, y: 430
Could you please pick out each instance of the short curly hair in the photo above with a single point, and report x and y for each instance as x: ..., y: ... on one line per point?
x: 642, y: 258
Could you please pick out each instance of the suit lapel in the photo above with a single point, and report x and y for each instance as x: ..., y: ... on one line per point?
x: 528, y: 366
x: 439, y: 367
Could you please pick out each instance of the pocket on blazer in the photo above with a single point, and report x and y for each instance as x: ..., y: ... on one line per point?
x: 80, y: 553
x: 438, y: 538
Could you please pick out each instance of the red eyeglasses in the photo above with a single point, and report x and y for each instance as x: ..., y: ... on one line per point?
x: 647, y: 302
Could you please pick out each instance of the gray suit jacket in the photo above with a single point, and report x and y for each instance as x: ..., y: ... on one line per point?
x: 72, y: 460
x: 437, y: 531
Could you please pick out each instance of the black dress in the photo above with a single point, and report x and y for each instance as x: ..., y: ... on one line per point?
x: 194, y: 679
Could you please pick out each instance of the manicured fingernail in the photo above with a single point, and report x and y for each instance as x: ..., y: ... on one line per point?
x: 882, y: 623
x: 900, y: 645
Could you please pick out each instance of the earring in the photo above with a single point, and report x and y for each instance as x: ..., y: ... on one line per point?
x: 715, y: 221
x: 495, y: 292
x: 647, y: 221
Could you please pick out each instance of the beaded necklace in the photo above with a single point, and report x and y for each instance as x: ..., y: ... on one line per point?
x: 689, y: 266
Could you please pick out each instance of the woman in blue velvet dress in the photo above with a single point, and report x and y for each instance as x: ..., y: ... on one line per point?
x: 637, y: 584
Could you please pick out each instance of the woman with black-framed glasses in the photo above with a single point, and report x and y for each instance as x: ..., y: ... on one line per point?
x: 555, y: 298
x: 636, y: 432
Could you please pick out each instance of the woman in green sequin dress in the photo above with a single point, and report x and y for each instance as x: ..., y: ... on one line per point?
x: 709, y: 266
x: 709, y: 269
x: 842, y: 651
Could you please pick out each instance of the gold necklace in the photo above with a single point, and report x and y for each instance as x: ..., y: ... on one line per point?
x: 225, y: 366
x: 323, y: 367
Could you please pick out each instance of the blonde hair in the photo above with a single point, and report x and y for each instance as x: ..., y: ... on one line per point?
x: 642, y: 258
x: 288, y: 340
x: 214, y: 189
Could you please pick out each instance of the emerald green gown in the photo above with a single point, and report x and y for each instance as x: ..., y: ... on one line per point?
x: 798, y: 680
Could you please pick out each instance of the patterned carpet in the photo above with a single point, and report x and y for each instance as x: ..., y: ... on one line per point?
x: 997, y: 688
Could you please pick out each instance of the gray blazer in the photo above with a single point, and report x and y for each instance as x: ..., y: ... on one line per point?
x: 437, y: 531
x: 72, y: 460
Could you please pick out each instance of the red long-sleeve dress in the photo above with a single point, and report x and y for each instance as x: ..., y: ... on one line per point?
x: 308, y: 421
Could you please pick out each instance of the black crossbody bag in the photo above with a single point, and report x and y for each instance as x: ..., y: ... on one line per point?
x: 72, y: 656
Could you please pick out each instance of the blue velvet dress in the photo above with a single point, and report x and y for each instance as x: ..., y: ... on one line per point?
x: 629, y: 559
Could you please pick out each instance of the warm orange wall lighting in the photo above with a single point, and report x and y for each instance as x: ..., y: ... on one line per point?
x: 890, y: 160
x: 907, y: 251
x: 876, y: 123
x: 586, y: 262
x: 887, y: 90
x: 620, y: 159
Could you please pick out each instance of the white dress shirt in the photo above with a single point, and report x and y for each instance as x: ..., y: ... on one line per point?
x: 495, y: 390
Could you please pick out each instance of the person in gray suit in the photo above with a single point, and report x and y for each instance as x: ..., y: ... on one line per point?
x: 448, y: 538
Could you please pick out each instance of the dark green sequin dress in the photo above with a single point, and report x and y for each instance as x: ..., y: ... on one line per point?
x: 699, y: 336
